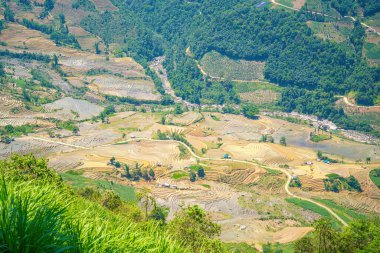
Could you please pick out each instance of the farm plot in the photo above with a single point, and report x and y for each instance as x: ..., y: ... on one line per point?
x: 104, y: 5
x: 221, y: 67
x: 70, y: 108
x: 27, y: 145
x: 186, y: 118
x: 329, y: 31
x: 256, y: 231
x: 79, y: 65
x: 113, y: 85
x: 7, y: 103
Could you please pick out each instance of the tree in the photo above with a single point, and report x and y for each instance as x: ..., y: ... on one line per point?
x: 27, y: 168
x: 304, y: 245
x: 97, y: 48
x: 163, y: 120
x: 326, y: 236
x: 55, y: 60
x: 319, y: 154
x: 178, y: 109
x: 158, y: 213
x: 62, y: 18
x: 9, y: 15
x: 75, y: 130
x: 283, y: 141
x: 201, y: 172
x: 151, y: 173
x: 368, y: 160
x: 2, y: 71
x: 117, y: 164
x: 136, y: 173
x: 192, y: 176
x: 147, y: 201
x: 127, y: 172
x: 250, y: 111
x: 111, y: 200
x: 193, y: 227
x: 112, y: 160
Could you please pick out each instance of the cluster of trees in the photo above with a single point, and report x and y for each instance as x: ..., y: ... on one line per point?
x: 104, y: 115
x: 25, y: 55
x: 60, y: 34
x: 134, y: 173
x: 359, y: 236
x: 86, y: 5
x: 350, y: 7
x: 68, y: 125
x: 196, y: 170
x: 338, y: 183
x: 137, y: 173
x: 48, y: 6
x: 8, y: 132
x: 296, y: 182
x: 177, y: 136
x: 321, y: 104
x: 294, y: 56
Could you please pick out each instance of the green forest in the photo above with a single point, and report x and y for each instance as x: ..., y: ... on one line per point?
x: 294, y: 57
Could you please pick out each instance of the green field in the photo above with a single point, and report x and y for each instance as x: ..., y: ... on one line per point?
x: 320, y: 137
x: 372, y: 51
x: 285, y: 2
x: 346, y: 214
x: 327, y: 30
x: 375, y: 177
x: 179, y: 175
x: 220, y: 66
x: 372, y: 118
x: 126, y: 193
x: 314, y: 208
x: 321, y: 6
x: 259, y: 93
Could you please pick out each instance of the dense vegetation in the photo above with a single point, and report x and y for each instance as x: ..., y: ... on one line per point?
x: 359, y: 236
x: 40, y: 213
x: 60, y: 34
x: 350, y: 7
x: 375, y: 177
x: 186, y: 31
x: 337, y: 183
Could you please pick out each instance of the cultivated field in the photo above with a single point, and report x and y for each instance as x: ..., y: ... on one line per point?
x: 247, y: 199
x: 218, y: 66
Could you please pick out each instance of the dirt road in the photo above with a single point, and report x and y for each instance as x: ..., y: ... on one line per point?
x: 318, y: 13
x: 286, y: 186
x: 347, y: 102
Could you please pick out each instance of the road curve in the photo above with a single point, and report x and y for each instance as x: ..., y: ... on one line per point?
x: 322, y: 14
x: 286, y: 187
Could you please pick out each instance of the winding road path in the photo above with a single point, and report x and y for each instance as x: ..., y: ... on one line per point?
x: 288, y: 175
x: 286, y: 186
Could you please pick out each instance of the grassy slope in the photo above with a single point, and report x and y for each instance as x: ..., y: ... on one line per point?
x: 126, y: 193
x: 347, y: 215
x: 375, y: 180
x: 314, y: 208
x: 47, y: 218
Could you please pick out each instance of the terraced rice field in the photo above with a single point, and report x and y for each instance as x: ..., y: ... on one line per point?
x: 122, y: 87
x: 311, y: 184
x: 186, y: 118
x: 70, y: 108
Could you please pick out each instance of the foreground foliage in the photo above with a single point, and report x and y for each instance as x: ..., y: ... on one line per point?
x: 360, y: 236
